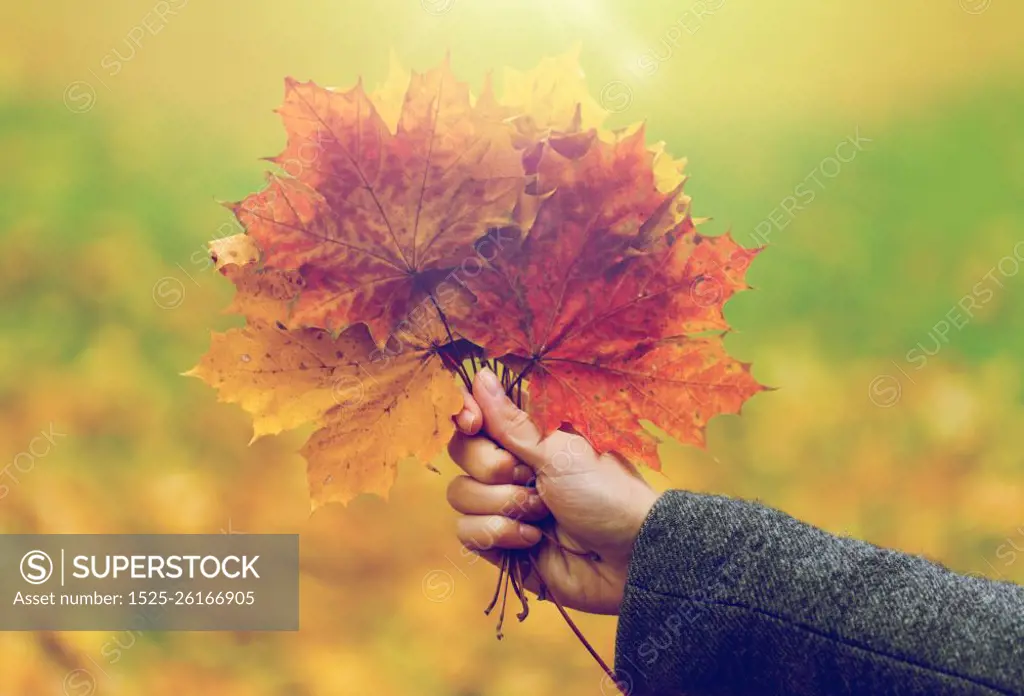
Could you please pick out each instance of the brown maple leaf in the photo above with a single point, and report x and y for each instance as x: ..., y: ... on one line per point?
x: 371, y: 219
x: 600, y: 302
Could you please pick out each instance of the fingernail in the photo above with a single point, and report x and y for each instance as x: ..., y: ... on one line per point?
x: 468, y: 421
x: 522, y: 474
x: 531, y: 535
x: 489, y: 380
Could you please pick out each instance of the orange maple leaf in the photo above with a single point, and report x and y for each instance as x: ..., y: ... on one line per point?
x: 374, y: 220
x: 372, y: 406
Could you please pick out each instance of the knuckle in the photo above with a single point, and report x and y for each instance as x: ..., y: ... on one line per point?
x: 486, y: 538
x: 523, y: 503
x: 472, y: 534
x: 507, y: 534
x: 455, y: 447
x: 532, y: 507
x: 452, y: 493
x: 518, y: 420
x: 462, y: 531
x: 499, y: 468
x: 513, y: 506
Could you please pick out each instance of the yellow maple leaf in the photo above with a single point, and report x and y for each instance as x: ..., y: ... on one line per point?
x: 373, y: 407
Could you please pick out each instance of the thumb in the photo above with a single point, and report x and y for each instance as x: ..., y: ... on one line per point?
x: 510, y: 426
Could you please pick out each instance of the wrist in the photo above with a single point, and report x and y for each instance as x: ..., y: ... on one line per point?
x: 640, y: 507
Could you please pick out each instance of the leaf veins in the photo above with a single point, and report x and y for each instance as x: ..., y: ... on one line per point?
x: 600, y: 303
x: 372, y: 219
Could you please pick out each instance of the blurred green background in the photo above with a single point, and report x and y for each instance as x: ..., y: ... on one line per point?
x: 887, y: 309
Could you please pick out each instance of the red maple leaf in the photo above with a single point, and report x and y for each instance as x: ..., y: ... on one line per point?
x: 374, y: 220
x: 606, y: 304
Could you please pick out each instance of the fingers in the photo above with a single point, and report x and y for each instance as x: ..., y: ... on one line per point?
x: 469, y: 419
x: 496, y: 557
x: 493, y: 556
x: 490, y: 499
x: 485, y: 532
x: 486, y: 462
x: 471, y: 497
x: 507, y: 424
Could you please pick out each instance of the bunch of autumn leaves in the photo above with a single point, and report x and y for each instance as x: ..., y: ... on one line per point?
x: 417, y: 229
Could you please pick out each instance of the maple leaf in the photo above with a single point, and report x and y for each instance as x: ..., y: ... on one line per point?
x: 389, y: 96
x: 551, y: 106
x: 372, y: 406
x: 602, y: 303
x: 373, y: 219
x: 552, y: 97
x: 262, y: 294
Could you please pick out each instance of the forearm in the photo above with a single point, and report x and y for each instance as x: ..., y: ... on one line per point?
x: 727, y: 597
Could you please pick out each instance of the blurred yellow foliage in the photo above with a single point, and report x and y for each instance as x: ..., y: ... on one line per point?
x: 106, y: 296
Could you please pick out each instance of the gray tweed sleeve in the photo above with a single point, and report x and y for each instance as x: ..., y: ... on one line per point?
x: 727, y: 597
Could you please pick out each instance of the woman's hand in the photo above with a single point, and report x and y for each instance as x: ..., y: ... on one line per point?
x: 590, y: 505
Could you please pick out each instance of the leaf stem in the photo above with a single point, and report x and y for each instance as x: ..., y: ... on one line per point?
x: 519, y: 383
x: 575, y: 629
x: 497, y: 588
x: 513, y: 562
x: 504, y: 599
x: 451, y: 363
x: 457, y: 358
x: 517, y: 585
